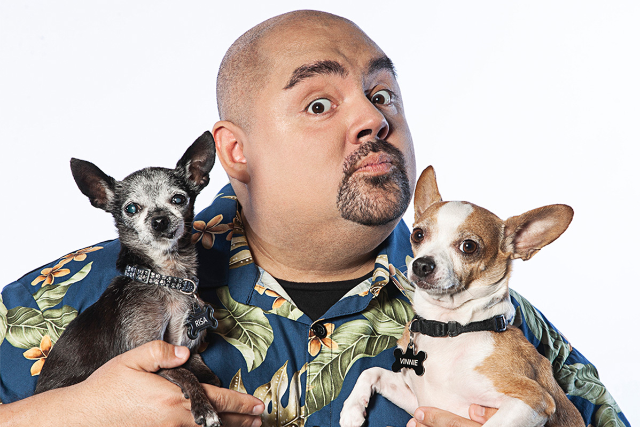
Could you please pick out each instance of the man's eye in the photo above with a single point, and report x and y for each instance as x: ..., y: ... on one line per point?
x: 382, y: 97
x: 319, y: 106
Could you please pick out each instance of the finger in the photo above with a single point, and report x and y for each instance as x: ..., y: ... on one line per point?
x: 230, y: 401
x: 155, y: 355
x: 240, y: 420
x: 481, y: 414
x: 434, y: 417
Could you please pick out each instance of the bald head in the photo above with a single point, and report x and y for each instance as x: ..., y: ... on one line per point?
x: 245, y: 67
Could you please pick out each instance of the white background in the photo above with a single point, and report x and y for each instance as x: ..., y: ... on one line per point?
x: 516, y: 104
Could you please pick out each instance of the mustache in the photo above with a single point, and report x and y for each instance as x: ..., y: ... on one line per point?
x: 372, y: 146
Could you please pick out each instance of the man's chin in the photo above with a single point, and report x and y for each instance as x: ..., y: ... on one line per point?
x: 373, y: 205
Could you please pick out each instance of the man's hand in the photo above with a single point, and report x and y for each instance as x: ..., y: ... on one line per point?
x: 126, y: 392
x: 434, y: 417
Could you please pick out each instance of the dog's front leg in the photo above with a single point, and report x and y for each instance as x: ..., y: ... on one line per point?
x: 389, y: 384
x: 201, y: 408
x: 196, y: 365
x: 514, y: 412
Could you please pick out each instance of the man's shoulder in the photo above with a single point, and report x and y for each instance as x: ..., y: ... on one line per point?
x: 50, y: 283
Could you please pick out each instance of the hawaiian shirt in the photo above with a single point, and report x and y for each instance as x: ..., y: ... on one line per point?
x: 264, y: 344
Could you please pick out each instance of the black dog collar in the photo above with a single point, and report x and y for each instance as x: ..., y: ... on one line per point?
x: 433, y: 328
x: 145, y: 275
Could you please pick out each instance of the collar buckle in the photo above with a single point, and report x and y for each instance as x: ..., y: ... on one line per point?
x: 189, y: 286
x: 454, y: 329
x: 500, y: 323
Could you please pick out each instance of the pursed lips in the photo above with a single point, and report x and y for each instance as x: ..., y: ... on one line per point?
x: 375, y: 163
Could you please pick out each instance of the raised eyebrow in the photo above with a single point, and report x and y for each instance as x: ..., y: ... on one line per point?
x: 315, y: 69
x: 382, y: 63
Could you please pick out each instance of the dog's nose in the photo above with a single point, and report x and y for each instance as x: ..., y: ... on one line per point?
x: 160, y: 223
x: 424, y: 266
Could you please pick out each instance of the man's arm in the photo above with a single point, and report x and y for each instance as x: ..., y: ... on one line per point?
x: 125, y: 391
x: 433, y: 417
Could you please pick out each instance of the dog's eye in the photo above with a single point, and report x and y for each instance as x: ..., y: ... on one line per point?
x: 468, y: 247
x: 417, y: 236
x: 178, y: 199
x: 131, y: 208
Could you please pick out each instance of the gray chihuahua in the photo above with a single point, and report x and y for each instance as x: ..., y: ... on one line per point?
x: 155, y: 297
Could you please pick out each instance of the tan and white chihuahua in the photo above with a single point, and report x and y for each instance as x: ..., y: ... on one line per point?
x: 460, y: 349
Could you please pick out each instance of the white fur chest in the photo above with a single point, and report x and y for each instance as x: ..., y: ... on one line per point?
x: 451, y: 381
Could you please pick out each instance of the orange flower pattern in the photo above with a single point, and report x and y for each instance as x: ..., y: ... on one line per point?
x: 278, y: 299
x: 39, y: 354
x: 80, y: 255
x: 206, y: 232
x: 48, y: 275
x: 316, y: 343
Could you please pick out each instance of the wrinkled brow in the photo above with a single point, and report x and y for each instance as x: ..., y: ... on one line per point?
x: 315, y: 69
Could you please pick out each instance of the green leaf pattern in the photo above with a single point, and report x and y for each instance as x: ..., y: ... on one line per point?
x: 271, y: 393
x: 245, y: 327
x: 356, y: 339
x: 576, y: 380
x: 3, y: 320
x: 25, y: 327
x: 49, y: 296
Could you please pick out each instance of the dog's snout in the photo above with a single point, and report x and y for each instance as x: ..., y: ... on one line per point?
x: 160, y: 223
x: 424, y: 266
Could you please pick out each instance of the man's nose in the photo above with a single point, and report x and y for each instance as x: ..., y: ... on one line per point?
x: 369, y: 123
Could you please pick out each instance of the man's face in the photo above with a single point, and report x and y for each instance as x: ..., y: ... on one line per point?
x: 329, y: 140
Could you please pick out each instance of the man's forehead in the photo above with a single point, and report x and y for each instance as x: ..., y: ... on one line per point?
x: 323, y: 49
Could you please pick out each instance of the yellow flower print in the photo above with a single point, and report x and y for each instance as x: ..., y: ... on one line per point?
x: 80, y: 255
x: 316, y: 343
x: 39, y: 354
x: 48, y: 275
x: 206, y: 232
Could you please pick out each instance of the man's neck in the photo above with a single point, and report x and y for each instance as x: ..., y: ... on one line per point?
x: 316, y: 256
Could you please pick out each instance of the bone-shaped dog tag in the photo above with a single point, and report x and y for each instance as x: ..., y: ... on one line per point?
x: 200, y: 320
x: 409, y: 360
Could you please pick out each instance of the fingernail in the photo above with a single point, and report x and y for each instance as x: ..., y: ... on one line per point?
x: 257, y: 422
x: 419, y: 415
x: 181, y: 352
x: 479, y: 411
x: 412, y: 423
x: 257, y: 410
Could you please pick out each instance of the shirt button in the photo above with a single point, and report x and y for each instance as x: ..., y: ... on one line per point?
x: 319, y: 330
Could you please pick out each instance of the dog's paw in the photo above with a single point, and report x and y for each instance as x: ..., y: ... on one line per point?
x: 209, y: 419
x: 353, y: 412
x: 203, y: 412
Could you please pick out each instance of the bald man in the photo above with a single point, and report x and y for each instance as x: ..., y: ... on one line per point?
x: 302, y: 254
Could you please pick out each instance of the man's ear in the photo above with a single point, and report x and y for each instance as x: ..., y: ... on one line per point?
x: 230, y: 147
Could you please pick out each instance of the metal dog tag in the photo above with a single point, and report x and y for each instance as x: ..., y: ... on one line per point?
x: 200, y: 320
x: 409, y: 360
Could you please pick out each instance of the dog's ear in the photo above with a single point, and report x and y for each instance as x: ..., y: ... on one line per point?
x: 197, y: 161
x: 426, y: 192
x: 95, y: 184
x: 526, y: 234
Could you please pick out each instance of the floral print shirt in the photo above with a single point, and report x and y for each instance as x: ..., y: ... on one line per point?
x: 264, y: 344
